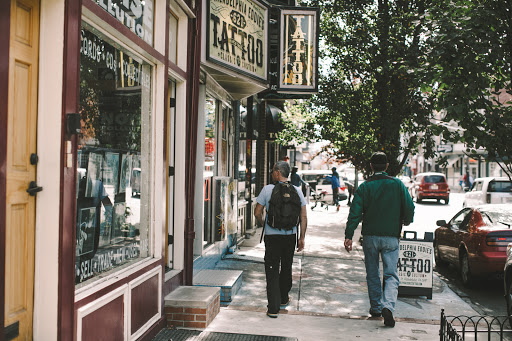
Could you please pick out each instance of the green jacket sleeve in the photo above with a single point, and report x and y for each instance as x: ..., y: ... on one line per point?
x: 408, y: 206
x: 356, y: 213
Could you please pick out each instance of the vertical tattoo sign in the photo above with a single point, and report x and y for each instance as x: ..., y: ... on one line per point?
x: 299, y: 50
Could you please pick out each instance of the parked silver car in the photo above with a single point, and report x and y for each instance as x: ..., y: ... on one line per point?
x: 489, y: 190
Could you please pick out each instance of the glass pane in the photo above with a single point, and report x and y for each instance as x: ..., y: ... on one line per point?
x: 112, y: 228
x: 209, y: 167
x: 434, y: 179
x: 173, y: 38
x: 500, y: 186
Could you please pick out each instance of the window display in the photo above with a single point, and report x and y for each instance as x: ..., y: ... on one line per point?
x: 112, y: 228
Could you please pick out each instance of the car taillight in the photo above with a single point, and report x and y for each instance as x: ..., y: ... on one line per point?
x: 343, y: 188
x: 498, y: 240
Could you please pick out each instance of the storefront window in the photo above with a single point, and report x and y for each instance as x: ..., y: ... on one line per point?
x: 112, y: 229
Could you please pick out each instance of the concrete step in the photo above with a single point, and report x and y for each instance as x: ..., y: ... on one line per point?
x: 229, y: 281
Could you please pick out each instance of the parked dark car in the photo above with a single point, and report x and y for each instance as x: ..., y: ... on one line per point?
x: 430, y: 186
x: 475, y: 240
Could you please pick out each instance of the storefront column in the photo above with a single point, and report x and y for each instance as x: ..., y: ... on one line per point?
x: 193, y: 69
x: 70, y: 104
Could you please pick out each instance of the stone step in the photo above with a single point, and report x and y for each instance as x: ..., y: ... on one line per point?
x: 229, y: 281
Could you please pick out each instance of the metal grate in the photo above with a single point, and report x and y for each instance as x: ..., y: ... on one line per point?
x: 197, y: 335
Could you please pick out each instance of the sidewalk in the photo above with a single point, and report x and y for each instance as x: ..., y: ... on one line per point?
x: 329, y: 294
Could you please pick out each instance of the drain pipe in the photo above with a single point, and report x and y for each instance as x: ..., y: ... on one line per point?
x: 193, y: 69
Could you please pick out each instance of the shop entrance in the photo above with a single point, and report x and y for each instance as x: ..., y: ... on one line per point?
x: 21, y: 169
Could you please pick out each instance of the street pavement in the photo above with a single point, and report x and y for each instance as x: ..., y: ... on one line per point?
x: 329, y: 294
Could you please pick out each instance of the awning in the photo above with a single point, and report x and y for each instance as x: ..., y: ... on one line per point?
x: 452, y: 160
x: 274, y: 124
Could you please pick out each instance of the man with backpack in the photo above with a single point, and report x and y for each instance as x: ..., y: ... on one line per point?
x: 383, y: 204
x: 286, y: 210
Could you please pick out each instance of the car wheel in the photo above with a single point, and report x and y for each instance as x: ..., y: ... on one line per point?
x: 465, y: 271
x: 437, y: 257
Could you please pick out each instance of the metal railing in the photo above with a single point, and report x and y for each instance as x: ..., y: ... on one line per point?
x: 463, y: 328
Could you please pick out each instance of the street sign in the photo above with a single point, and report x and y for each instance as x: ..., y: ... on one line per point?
x: 445, y: 148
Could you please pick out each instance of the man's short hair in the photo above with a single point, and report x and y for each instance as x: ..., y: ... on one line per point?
x: 283, y: 167
x: 379, y: 161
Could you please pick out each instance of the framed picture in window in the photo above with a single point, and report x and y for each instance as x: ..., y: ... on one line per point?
x: 85, y: 233
x: 118, y: 222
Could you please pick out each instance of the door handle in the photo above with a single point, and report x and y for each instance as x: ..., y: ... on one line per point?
x: 33, y: 188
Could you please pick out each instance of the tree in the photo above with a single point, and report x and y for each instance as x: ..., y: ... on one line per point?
x: 371, y: 96
x: 470, y: 66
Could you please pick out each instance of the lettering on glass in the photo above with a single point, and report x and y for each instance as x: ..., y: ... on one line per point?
x: 238, y: 35
x: 137, y: 15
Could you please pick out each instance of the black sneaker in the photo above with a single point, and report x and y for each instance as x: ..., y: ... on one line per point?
x: 284, y: 305
x: 375, y: 314
x: 388, y: 317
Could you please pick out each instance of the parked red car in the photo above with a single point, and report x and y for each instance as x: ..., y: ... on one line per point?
x: 430, y: 186
x: 475, y: 240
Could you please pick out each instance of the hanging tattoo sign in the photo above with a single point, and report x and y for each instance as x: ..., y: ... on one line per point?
x: 298, y: 66
x: 238, y: 36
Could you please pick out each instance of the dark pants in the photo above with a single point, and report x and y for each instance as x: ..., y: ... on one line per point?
x: 335, y: 195
x: 279, y: 251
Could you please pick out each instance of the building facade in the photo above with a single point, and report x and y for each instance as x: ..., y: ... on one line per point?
x: 109, y: 198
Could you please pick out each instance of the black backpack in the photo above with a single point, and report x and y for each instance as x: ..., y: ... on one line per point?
x: 284, y: 207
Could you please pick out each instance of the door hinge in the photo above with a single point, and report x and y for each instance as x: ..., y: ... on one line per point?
x: 171, y: 171
x: 170, y: 239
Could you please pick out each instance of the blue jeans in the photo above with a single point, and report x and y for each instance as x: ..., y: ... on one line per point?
x: 381, y: 295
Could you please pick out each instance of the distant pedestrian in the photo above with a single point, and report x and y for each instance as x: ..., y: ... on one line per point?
x: 467, y: 181
x: 383, y: 204
x: 280, y: 241
x: 335, y: 185
x: 350, y: 190
x: 335, y: 173
x: 295, y: 178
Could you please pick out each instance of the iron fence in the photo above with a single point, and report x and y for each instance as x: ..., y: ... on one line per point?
x: 464, y: 328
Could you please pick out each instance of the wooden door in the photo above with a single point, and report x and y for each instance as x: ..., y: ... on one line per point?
x: 21, y: 143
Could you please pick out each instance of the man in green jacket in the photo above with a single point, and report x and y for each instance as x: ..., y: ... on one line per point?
x: 383, y: 204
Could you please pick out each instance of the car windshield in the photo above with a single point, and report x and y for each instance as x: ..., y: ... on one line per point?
x: 434, y: 179
x: 502, y: 216
x: 500, y: 186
